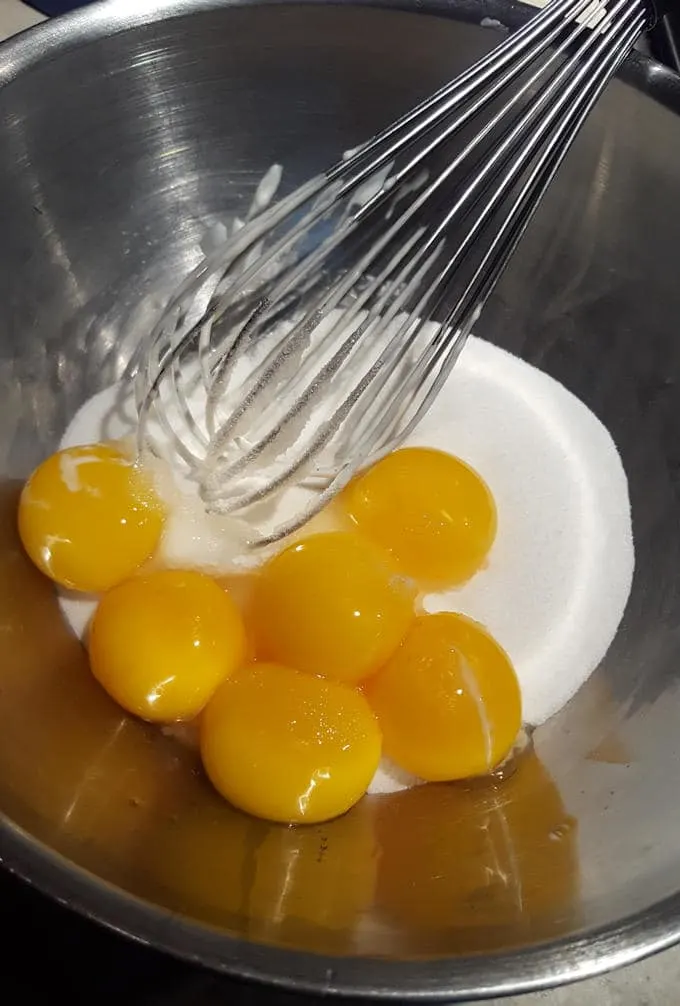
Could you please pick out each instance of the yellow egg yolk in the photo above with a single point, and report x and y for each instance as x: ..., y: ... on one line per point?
x: 160, y: 644
x: 448, y: 701
x: 430, y: 510
x: 288, y: 746
x: 331, y: 604
x: 88, y: 517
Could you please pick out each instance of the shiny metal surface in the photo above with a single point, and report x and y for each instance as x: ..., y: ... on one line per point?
x: 342, y: 280
x: 164, y: 122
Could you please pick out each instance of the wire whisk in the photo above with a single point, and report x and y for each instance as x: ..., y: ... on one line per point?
x: 314, y: 340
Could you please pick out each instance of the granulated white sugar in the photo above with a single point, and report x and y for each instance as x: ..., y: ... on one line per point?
x: 561, y: 568
x: 560, y: 571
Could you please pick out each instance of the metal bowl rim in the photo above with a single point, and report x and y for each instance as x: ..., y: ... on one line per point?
x: 582, y: 955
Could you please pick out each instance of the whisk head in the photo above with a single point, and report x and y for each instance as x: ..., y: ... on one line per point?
x: 313, y: 341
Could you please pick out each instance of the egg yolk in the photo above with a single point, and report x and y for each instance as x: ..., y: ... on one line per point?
x: 331, y: 604
x: 287, y: 746
x: 161, y: 644
x: 430, y: 510
x: 88, y: 517
x: 448, y: 702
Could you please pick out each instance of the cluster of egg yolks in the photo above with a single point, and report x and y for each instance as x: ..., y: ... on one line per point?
x: 448, y: 701
x: 337, y: 606
x: 288, y: 746
x: 430, y: 510
x: 331, y: 604
x: 160, y: 644
x: 88, y: 517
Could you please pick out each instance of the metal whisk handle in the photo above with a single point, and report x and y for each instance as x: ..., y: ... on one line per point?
x: 353, y: 297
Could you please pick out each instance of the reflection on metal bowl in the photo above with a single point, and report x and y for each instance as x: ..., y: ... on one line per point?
x: 174, y: 113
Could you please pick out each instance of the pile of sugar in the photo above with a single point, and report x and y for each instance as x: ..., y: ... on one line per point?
x: 559, y: 574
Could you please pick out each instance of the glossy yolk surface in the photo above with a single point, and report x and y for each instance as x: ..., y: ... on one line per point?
x: 287, y: 746
x: 161, y: 644
x: 448, y: 702
x: 430, y: 510
x: 88, y: 517
x: 332, y: 605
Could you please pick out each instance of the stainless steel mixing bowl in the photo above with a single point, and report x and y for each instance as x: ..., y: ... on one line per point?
x: 123, y: 130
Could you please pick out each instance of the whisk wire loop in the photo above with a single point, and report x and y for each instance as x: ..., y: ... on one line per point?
x: 319, y: 336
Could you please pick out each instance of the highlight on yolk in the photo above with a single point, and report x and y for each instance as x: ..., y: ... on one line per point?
x: 430, y: 510
x: 160, y: 644
x: 88, y: 517
x: 331, y: 604
x: 287, y: 746
x: 448, y: 702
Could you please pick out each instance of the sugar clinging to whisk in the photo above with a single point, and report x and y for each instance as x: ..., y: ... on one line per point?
x: 313, y: 340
